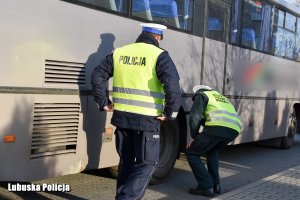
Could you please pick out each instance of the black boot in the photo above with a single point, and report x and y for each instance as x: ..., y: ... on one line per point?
x: 217, y: 188
x: 204, y: 192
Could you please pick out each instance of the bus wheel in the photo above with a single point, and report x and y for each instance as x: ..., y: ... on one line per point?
x: 169, y: 146
x: 287, y: 141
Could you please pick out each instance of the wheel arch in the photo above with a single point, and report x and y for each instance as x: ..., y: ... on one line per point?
x: 183, y: 127
x: 292, y: 127
x: 296, y: 108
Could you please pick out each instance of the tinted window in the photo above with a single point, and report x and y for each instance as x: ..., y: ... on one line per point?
x: 235, y: 21
x: 119, y: 6
x: 174, y: 13
x: 256, y: 28
x: 198, y: 22
x: 216, y: 20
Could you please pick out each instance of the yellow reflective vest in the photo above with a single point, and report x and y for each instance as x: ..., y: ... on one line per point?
x: 220, y: 112
x: 136, y: 88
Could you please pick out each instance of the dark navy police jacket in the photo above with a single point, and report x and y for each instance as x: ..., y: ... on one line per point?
x: 167, y: 74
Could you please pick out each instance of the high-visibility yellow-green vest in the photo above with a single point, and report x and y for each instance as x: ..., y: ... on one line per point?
x: 220, y: 112
x: 136, y: 88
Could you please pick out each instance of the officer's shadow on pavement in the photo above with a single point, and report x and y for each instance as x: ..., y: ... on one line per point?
x: 93, y: 119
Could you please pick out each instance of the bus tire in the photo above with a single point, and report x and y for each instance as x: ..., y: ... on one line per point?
x: 288, y: 140
x: 169, y: 146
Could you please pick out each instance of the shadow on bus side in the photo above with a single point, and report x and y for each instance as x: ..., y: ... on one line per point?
x: 94, y: 120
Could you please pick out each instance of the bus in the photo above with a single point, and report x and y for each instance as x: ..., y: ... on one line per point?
x: 249, y: 50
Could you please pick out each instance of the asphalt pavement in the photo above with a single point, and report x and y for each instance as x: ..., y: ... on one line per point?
x: 247, y: 171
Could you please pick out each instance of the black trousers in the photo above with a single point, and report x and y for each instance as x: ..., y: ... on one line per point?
x: 207, y: 144
x: 139, y: 157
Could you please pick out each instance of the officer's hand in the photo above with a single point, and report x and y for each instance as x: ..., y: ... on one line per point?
x: 161, y: 118
x: 189, y: 144
x: 109, y: 108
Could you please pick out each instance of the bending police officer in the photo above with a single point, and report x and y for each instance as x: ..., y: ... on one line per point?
x: 221, y: 125
x: 146, y: 91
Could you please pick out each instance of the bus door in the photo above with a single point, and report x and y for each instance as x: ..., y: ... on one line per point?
x: 215, y: 45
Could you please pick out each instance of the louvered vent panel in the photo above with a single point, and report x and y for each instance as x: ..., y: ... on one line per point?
x: 66, y: 73
x: 55, y: 129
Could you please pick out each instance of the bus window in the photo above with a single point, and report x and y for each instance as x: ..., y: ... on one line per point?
x: 177, y: 14
x: 165, y: 12
x: 235, y: 21
x: 119, y: 6
x: 290, y: 25
x: 108, y: 4
x: 215, y: 28
x: 284, y: 35
x: 216, y: 21
x: 297, y: 44
x: 248, y: 38
x: 185, y: 13
x: 290, y: 22
x: 256, y: 29
x: 278, y: 18
x: 198, y: 20
x: 141, y: 9
x: 278, y: 41
x: 278, y: 46
x: 289, y: 44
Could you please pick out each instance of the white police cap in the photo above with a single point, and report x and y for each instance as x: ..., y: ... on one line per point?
x: 153, y: 28
x: 198, y: 87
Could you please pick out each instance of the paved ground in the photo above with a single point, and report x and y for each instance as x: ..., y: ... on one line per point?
x: 247, y: 172
x: 284, y: 185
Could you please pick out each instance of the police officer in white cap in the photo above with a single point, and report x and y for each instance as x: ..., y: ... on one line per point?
x: 146, y: 91
x: 221, y: 125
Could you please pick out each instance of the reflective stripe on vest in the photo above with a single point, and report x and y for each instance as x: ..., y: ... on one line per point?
x: 220, y: 112
x: 136, y: 88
